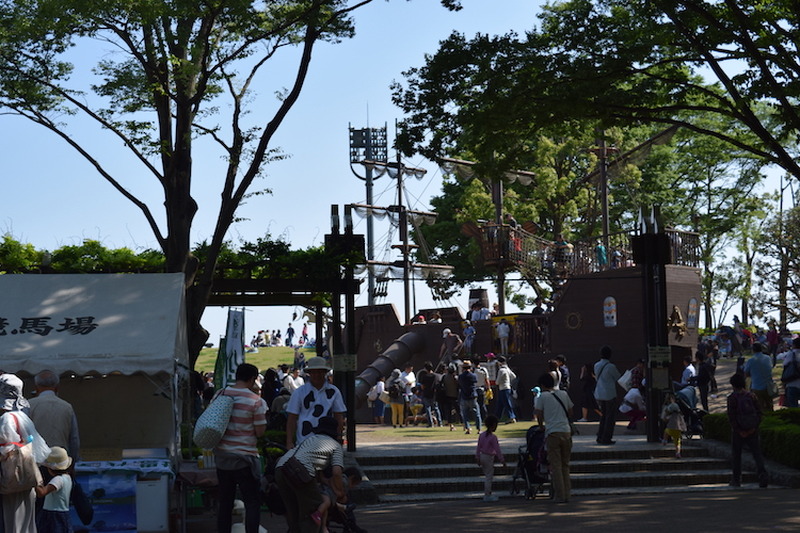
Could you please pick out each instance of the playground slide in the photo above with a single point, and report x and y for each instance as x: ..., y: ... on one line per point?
x: 395, y: 356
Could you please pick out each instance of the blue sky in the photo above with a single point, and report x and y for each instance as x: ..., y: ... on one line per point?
x: 52, y: 197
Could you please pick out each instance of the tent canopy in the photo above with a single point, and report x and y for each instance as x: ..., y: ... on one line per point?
x: 92, y: 323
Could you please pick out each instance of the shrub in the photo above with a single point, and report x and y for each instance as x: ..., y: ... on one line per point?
x: 780, y: 434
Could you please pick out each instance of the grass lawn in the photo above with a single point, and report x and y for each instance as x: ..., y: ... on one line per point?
x: 373, y: 433
x: 263, y: 359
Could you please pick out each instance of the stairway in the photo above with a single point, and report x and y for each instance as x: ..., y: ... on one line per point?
x: 641, y: 468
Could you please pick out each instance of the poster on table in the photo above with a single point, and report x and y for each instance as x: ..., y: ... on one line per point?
x: 113, y: 497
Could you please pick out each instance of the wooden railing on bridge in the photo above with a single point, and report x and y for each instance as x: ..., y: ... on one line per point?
x: 515, y: 248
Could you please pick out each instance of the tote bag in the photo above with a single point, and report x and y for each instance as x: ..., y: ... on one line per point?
x: 18, y: 470
x: 211, y: 425
x: 626, y: 380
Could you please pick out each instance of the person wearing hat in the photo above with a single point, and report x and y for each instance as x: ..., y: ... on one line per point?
x: 312, y: 401
x: 451, y: 346
x: 54, y: 517
x: 16, y: 429
x: 319, y: 451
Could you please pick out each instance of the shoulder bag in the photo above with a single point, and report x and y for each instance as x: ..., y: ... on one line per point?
x: 294, y: 471
x: 626, y: 380
x: 212, y: 423
x: 791, y: 370
x: 18, y: 469
x: 80, y: 501
x: 772, y: 389
x: 573, y: 429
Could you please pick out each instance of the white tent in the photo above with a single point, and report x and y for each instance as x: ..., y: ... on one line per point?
x: 118, y: 341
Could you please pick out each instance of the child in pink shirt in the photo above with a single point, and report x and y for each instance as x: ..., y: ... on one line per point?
x: 487, y: 451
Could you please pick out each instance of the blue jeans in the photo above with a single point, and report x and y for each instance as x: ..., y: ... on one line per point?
x: 505, y: 403
x: 468, y: 405
x: 792, y: 397
x: 432, y: 410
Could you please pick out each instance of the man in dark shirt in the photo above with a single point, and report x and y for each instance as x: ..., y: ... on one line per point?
x: 427, y: 380
x: 468, y: 397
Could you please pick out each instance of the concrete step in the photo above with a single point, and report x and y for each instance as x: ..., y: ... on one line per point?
x: 575, y: 492
x: 599, y: 454
x: 379, y: 473
x: 505, y: 482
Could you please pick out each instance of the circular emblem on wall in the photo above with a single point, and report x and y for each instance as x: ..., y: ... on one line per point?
x: 574, y: 320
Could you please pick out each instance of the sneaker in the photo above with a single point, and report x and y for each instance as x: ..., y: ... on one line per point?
x: 735, y: 484
x: 490, y: 498
x: 582, y: 420
x: 677, y: 455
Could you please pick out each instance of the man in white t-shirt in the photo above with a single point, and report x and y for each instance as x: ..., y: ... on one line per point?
x: 311, y: 402
x: 503, y: 334
x: 551, y: 409
x: 293, y: 381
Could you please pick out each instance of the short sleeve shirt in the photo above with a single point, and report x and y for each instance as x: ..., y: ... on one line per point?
x: 554, y: 415
x: 59, y: 499
x: 311, y: 404
x: 249, y: 411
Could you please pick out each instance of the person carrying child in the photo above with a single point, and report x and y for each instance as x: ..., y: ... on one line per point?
x: 54, y: 517
x: 674, y: 425
x: 486, y: 453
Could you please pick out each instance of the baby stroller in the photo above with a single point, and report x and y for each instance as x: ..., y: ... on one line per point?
x: 692, y: 416
x: 532, y: 466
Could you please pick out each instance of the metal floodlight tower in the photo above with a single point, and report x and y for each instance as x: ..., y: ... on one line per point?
x: 368, y: 144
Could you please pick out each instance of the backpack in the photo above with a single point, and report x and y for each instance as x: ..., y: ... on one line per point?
x: 564, y: 385
x: 747, y: 414
x: 394, y: 391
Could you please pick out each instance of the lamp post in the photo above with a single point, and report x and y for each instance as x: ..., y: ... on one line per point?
x: 368, y: 144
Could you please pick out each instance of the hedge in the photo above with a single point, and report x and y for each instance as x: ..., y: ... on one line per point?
x: 780, y: 434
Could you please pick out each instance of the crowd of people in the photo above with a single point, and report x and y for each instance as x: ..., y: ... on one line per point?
x: 265, y: 338
x: 310, y: 476
x: 475, y: 394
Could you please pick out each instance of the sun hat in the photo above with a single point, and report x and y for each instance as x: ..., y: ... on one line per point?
x: 445, y: 332
x: 58, y: 459
x: 317, y: 363
x: 11, y: 398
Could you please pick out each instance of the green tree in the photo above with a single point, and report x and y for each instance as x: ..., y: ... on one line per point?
x: 16, y: 257
x: 777, y: 276
x: 620, y: 62
x: 176, y: 68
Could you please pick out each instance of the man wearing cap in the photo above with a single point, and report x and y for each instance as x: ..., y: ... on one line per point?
x: 451, y: 346
x: 318, y: 451
x: 312, y: 401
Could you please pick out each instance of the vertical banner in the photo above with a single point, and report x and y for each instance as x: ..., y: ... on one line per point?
x: 219, y: 366
x: 231, y: 350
